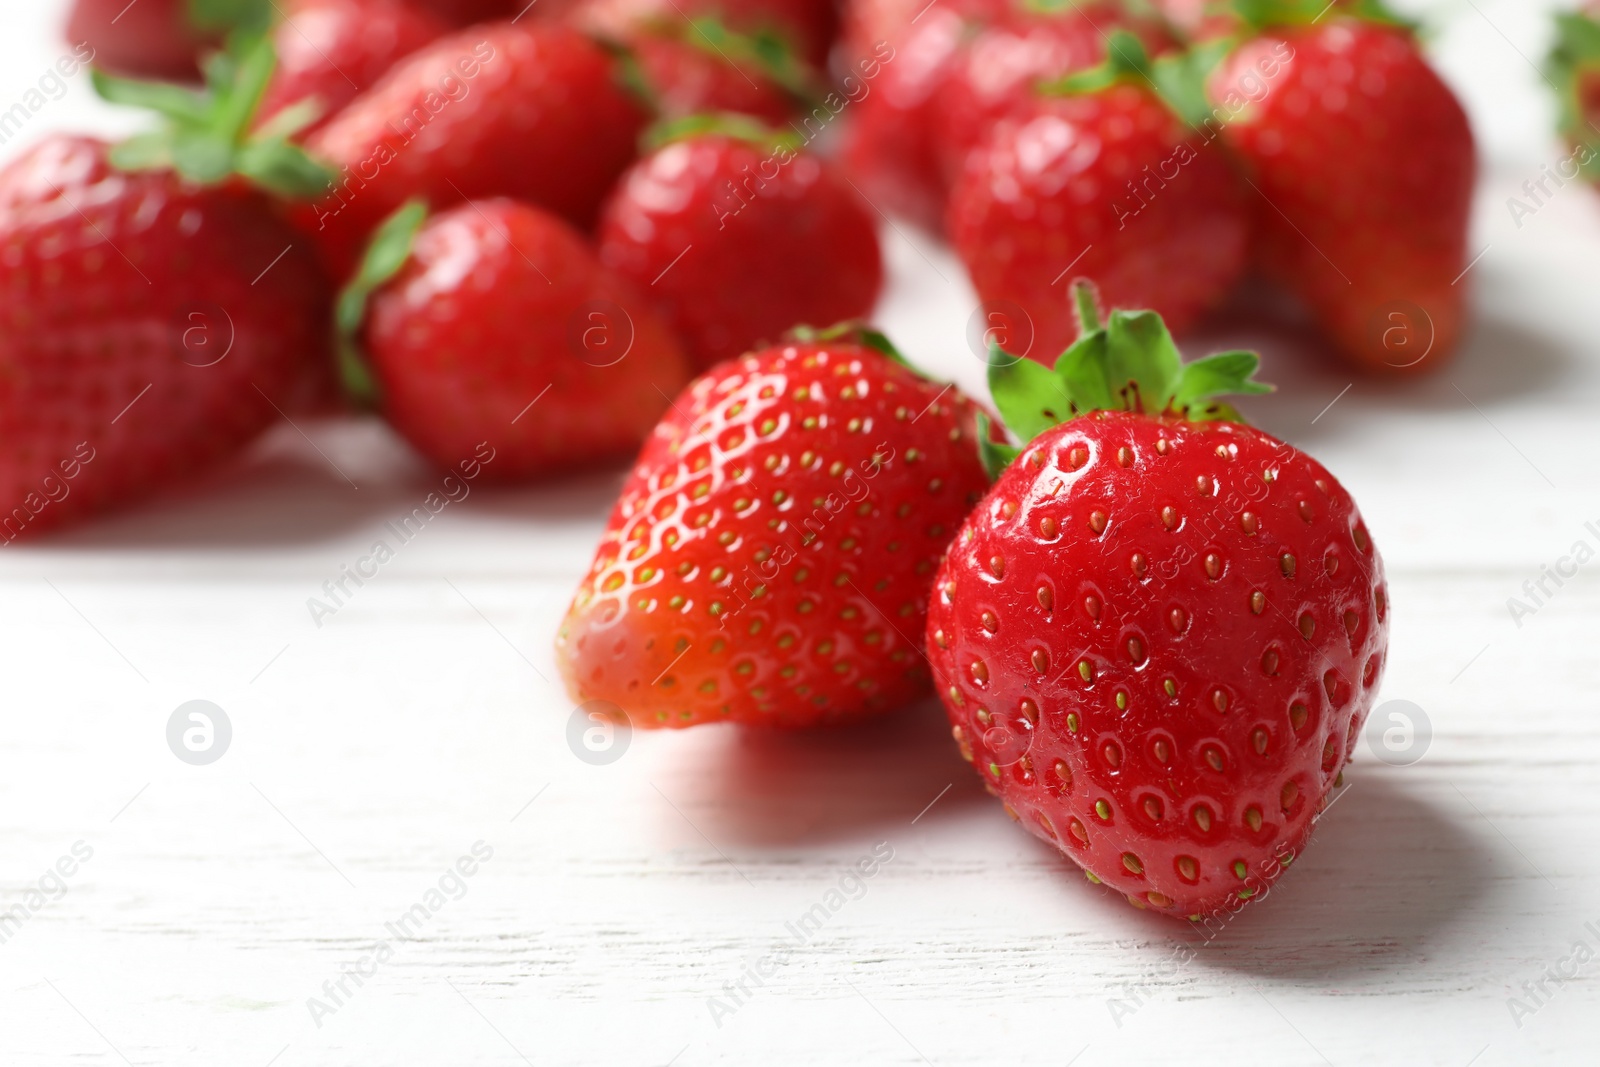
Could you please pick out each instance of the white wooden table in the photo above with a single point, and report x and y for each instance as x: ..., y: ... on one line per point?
x: 370, y: 754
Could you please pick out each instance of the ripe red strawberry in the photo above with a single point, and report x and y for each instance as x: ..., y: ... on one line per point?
x: 996, y: 73
x: 866, y: 24
x: 151, y: 323
x: 493, y: 323
x: 1107, y: 184
x: 740, y: 235
x: 1377, y: 244
x: 890, y: 145
x: 468, y: 12
x: 329, y: 51
x: 769, y: 560
x: 528, y: 110
x: 159, y: 38
x: 1574, y: 69
x: 1158, y: 636
x: 805, y: 28
x: 687, y: 78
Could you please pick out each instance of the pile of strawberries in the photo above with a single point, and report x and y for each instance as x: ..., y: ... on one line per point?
x: 566, y: 232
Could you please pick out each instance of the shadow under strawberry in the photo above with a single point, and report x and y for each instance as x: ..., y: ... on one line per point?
x: 1392, y: 875
x: 811, y: 787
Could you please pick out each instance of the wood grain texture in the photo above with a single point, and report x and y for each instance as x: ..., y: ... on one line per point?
x: 369, y: 754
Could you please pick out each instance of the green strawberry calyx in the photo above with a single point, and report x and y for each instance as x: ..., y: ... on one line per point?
x: 766, y: 52
x: 208, y: 135
x: 220, y: 16
x: 727, y: 124
x: 1129, y: 362
x: 1574, y: 60
x: 1178, y: 78
x: 1126, y: 60
x: 1261, y: 14
x: 766, y: 55
x: 386, y: 254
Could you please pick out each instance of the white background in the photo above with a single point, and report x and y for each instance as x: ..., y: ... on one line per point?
x: 370, y: 753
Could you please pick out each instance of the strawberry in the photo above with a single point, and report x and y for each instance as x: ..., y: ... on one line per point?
x: 159, y: 38
x: 468, y: 319
x: 329, y: 51
x: 528, y: 110
x: 468, y: 12
x: 1108, y: 183
x: 1159, y: 634
x: 866, y: 24
x: 1377, y: 244
x: 707, y: 69
x: 1023, y: 45
x: 1574, y: 69
x: 803, y: 28
x: 769, y: 559
x: 740, y: 235
x: 890, y: 146
x: 152, y: 320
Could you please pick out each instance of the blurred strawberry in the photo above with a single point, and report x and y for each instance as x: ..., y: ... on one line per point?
x: 1376, y: 244
x: 1100, y: 180
x: 330, y: 51
x: 1574, y: 68
x: 532, y: 110
x: 493, y: 323
x: 691, y: 69
x: 468, y: 12
x: 804, y: 28
x: 686, y: 80
x: 157, y: 311
x: 739, y: 235
x: 866, y: 24
x: 1019, y: 47
x: 890, y: 147
x: 159, y: 38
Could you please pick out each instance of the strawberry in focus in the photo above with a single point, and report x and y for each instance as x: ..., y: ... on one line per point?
x: 155, y: 315
x: 481, y: 113
x: 492, y: 322
x: 1376, y: 246
x: 330, y: 51
x: 1099, y: 177
x: 1159, y: 635
x: 740, y: 234
x: 769, y: 559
